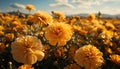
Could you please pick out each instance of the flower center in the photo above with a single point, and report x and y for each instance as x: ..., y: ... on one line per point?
x: 58, y: 32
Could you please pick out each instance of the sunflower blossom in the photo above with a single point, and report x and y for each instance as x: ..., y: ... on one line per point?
x: 89, y: 57
x: 58, y: 33
x: 27, y: 49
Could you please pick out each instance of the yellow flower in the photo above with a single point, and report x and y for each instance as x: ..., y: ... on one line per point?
x: 89, y: 57
x: 59, y: 52
x: 59, y: 14
x: 41, y: 16
x: 1, y: 33
x: 73, y: 21
x: 110, y: 26
x: 58, y: 33
x: 1, y: 28
x: 80, y: 30
x: 9, y: 36
x: 30, y: 7
x: 25, y: 66
x: 16, y: 23
x: 108, y: 50
x: 108, y: 34
x: 30, y: 19
x: 91, y: 17
x: 108, y: 42
x: 19, y: 28
x: 115, y: 58
x: 27, y: 49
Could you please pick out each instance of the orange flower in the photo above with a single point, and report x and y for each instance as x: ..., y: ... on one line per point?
x: 1, y: 33
x: 27, y: 49
x: 108, y: 34
x: 58, y: 33
x: 110, y: 26
x: 42, y: 16
x: 91, y: 17
x: 9, y: 36
x: 115, y: 58
x: 80, y: 30
x: 25, y: 66
x: 59, y: 14
x: 89, y: 57
x: 1, y: 28
x: 30, y: 7
x: 108, y: 50
x: 30, y: 19
x: 16, y: 23
x: 59, y: 52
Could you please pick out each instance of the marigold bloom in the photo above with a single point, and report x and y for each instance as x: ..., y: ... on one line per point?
x: 1, y: 28
x: 89, y: 57
x: 1, y: 33
x: 80, y: 30
x: 16, y: 23
x: 110, y: 26
x: 108, y: 50
x: 9, y: 36
x: 25, y: 66
x: 59, y: 52
x: 43, y: 17
x: 115, y: 58
x: 108, y: 34
x: 58, y: 33
x: 91, y: 17
x: 59, y: 14
x: 27, y: 49
x: 30, y: 19
x: 30, y: 7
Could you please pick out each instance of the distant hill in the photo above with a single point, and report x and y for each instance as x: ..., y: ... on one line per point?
x: 81, y: 15
x: 14, y: 13
x: 103, y: 15
x: 111, y: 16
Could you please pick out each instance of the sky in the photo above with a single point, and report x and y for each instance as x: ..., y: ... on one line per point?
x: 69, y: 7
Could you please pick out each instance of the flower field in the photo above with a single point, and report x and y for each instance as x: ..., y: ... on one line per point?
x: 55, y: 41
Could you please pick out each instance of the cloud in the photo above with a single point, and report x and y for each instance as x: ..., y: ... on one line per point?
x: 17, y: 6
x: 86, y: 2
x: 104, y: 10
x: 108, y: 0
x: 92, y: 2
x: 108, y: 10
x: 89, y: 6
x: 62, y: 3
